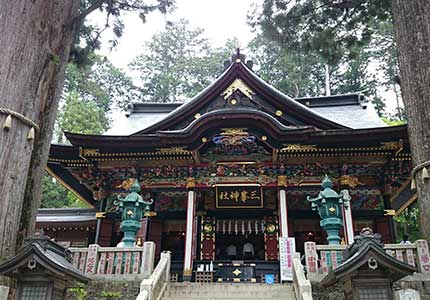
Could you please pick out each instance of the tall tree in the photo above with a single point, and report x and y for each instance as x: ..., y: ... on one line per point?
x: 296, y: 74
x: 36, y: 38
x: 80, y: 116
x: 412, y: 25
x: 57, y: 196
x: 178, y: 63
x: 100, y: 82
x: 349, y: 23
x: 302, y: 73
x: 351, y: 37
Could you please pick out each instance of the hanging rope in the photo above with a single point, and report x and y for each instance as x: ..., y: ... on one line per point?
x: 419, y: 167
x: 424, y: 174
x: 8, y: 122
x: 20, y: 117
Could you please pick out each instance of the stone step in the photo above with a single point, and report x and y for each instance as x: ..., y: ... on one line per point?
x: 286, y: 297
x: 230, y: 286
x: 218, y: 293
x: 236, y: 291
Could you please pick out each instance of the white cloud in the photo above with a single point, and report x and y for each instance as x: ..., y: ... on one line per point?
x: 221, y: 20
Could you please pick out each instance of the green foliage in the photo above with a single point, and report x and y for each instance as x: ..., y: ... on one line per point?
x: 79, y: 292
x: 80, y: 116
x: 87, y: 35
x: 333, y: 28
x: 111, y: 295
x: 408, y: 223
x: 296, y: 74
x: 355, y: 38
x: 100, y: 82
x: 301, y: 74
x: 391, y: 122
x: 54, y: 195
x: 178, y: 63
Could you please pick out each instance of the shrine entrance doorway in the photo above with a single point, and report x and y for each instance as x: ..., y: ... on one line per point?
x: 248, y: 239
x: 239, y: 240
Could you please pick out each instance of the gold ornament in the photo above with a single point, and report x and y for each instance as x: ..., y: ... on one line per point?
x: 279, y: 113
x: 299, y: 147
x: 126, y: 184
x: 282, y: 181
x: 190, y: 183
x: 237, y: 84
x: 349, y: 180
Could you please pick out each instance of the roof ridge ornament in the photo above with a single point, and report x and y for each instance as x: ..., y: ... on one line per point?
x: 238, y: 84
x: 238, y: 57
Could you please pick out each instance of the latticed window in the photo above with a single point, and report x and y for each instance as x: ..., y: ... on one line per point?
x: 373, y: 293
x: 34, y: 292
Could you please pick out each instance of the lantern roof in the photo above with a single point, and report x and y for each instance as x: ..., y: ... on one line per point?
x: 41, y: 250
x: 367, y: 253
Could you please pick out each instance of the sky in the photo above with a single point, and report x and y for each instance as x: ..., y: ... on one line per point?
x: 221, y: 20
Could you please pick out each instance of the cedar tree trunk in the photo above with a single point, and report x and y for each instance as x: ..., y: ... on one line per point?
x: 35, y: 40
x: 412, y: 27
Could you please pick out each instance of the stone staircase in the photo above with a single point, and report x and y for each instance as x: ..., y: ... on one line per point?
x: 234, y: 291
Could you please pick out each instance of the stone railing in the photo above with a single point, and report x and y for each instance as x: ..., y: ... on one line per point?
x: 133, y: 263
x: 153, y: 287
x: 319, y: 259
x: 302, y: 286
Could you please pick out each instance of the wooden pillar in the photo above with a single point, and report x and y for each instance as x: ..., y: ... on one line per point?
x: 282, y: 206
x: 102, y: 209
x: 155, y: 235
x: 207, y: 242
x: 190, y: 230
x: 106, y: 231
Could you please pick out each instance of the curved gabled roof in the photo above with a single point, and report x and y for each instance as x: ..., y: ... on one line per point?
x: 52, y: 256
x: 269, y: 98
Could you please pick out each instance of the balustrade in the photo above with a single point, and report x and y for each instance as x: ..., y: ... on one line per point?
x: 125, y: 263
x: 319, y: 259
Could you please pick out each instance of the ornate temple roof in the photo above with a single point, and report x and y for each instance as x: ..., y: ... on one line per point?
x: 237, y: 100
x: 239, y: 82
x: 348, y: 110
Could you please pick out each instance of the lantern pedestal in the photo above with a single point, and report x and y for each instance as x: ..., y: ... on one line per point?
x: 129, y: 227
x: 332, y: 227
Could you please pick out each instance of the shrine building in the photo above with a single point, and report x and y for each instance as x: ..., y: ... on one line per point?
x: 233, y: 166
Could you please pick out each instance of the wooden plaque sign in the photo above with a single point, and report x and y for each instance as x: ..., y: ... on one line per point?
x: 239, y: 196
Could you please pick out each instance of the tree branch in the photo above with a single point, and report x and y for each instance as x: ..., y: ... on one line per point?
x: 87, y: 11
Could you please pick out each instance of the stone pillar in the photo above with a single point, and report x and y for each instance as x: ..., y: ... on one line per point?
x: 190, y: 230
x: 91, y: 262
x: 148, y: 259
x: 348, y: 227
x: 4, y: 292
x: 282, y: 206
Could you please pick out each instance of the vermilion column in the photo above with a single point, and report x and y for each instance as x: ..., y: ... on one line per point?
x: 190, y: 230
x: 282, y: 206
